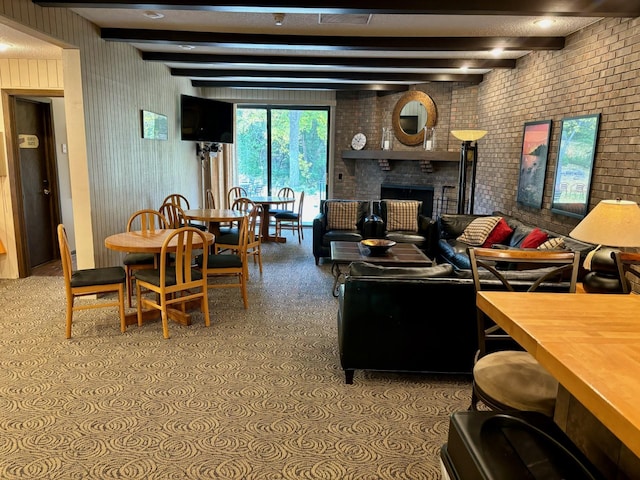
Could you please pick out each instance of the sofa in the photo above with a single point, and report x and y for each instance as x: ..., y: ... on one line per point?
x: 447, y: 243
x: 344, y: 221
x: 399, y: 319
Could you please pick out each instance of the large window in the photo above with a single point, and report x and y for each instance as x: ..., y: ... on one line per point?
x: 283, y: 147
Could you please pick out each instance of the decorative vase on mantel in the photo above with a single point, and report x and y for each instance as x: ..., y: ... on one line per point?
x: 387, y: 138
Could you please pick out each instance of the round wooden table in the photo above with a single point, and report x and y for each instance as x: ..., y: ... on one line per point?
x: 149, y: 242
x: 213, y: 216
x: 143, y: 242
x: 266, y: 203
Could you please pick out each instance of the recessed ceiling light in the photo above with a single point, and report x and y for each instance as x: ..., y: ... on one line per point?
x: 153, y: 15
x: 187, y: 47
x: 278, y: 18
x: 544, y: 23
x: 496, y: 52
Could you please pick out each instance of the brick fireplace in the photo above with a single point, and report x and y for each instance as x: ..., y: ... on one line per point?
x: 410, y: 192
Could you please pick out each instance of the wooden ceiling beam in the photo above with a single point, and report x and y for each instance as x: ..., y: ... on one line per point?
x: 301, y: 85
x: 574, y: 8
x: 320, y: 76
x: 371, y: 62
x: 326, y: 42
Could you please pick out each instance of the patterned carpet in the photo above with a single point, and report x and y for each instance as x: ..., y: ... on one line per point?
x: 258, y: 395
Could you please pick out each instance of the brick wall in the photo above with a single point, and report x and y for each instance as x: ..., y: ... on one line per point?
x: 596, y: 72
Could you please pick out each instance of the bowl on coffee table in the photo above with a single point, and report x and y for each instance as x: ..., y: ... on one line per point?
x: 377, y: 246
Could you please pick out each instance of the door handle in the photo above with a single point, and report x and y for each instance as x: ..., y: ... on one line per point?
x: 46, y: 191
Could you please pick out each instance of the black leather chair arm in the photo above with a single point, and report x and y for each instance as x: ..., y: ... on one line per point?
x: 319, y: 227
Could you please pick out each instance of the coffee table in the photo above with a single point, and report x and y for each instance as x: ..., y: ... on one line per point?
x: 400, y: 255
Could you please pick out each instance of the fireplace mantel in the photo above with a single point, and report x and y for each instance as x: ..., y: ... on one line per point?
x: 383, y: 156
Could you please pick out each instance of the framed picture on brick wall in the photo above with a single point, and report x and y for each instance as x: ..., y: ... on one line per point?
x: 574, y: 167
x: 533, y: 162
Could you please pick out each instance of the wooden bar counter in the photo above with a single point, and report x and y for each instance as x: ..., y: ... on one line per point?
x: 591, y: 344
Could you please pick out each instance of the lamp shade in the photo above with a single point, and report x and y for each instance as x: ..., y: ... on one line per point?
x: 613, y: 223
x: 468, y: 135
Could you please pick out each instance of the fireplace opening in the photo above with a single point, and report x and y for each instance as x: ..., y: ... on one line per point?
x: 410, y: 192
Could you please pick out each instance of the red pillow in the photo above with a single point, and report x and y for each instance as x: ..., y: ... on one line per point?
x: 499, y: 233
x: 536, y: 238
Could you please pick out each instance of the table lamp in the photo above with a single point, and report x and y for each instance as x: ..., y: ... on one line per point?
x: 467, y: 136
x: 612, y: 223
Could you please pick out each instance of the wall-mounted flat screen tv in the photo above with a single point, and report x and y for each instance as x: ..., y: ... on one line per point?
x: 206, y: 120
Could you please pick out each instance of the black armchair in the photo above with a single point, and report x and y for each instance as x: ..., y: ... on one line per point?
x: 403, y: 222
x: 341, y: 220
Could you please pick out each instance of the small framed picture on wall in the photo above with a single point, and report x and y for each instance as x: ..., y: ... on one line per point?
x: 154, y: 125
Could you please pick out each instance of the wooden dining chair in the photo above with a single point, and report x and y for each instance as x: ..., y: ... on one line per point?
x: 210, y: 201
x: 231, y: 240
x: 182, y: 202
x: 90, y: 281
x: 232, y: 263
x: 174, y: 214
x: 504, y: 376
x: 145, y: 220
x: 254, y: 237
x: 229, y: 233
x: 233, y: 194
x: 286, y: 193
x: 178, y: 199
x: 291, y: 220
x: 175, y: 283
x: 628, y: 265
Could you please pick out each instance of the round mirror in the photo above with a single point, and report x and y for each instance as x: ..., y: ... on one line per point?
x: 414, y: 111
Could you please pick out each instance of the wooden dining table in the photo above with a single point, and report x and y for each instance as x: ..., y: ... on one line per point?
x: 213, y: 217
x: 267, y: 202
x: 150, y: 242
x: 590, y: 343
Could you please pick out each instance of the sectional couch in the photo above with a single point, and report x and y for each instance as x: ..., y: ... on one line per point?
x: 446, y: 246
x: 423, y: 319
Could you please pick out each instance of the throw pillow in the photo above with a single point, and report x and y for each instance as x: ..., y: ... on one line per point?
x: 552, y: 244
x: 520, y: 232
x: 536, y: 238
x: 342, y: 215
x: 478, y: 231
x: 499, y: 234
x: 402, y: 215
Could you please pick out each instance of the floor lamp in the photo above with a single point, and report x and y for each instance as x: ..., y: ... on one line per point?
x: 467, y: 150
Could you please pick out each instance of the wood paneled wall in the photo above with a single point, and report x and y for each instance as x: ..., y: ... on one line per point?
x: 125, y: 171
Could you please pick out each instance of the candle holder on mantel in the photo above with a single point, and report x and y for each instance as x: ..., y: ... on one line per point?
x: 429, y: 140
x: 387, y: 138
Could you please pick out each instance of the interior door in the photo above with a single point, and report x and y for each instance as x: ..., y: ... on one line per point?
x: 34, y: 139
